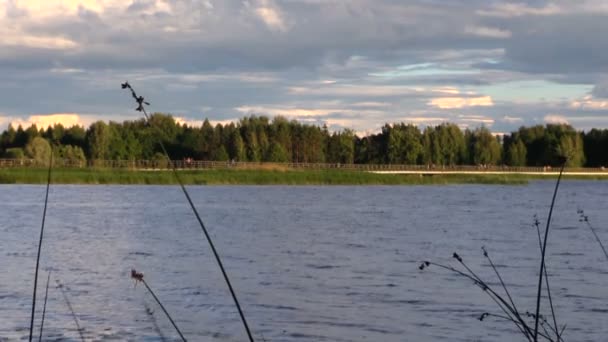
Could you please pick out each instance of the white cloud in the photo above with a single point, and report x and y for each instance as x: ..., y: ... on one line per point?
x: 52, y: 9
x: 488, y: 32
x: 199, y: 123
x: 46, y: 120
x: 197, y: 78
x: 556, y: 119
x: 508, y: 10
x: 424, y: 120
x: 480, y: 119
x: 371, y: 104
x: 224, y: 122
x: 520, y: 9
x: 190, y: 122
x: 270, y: 14
x: 511, y: 119
x: 286, y: 111
x: 588, y: 102
x: 16, y: 37
x: 461, y: 102
x: 447, y: 90
x: 355, y: 90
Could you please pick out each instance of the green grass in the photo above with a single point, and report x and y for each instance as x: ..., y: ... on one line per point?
x: 255, y: 177
x: 245, y: 177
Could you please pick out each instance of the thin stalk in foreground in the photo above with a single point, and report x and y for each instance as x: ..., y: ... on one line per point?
x: 585, y: 218
x: 139, y: 277
x: 502, y: 283
x: 487, y: 289
x: 512, y: 310
x: 140, y: 108
x: 150, y: 313
x: 67, y: 302
x: 46, y: 201
x: 556, y: 328
x: 46, y: 295
x: 544, y: 250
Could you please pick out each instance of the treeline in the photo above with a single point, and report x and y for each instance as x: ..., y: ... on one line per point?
x: 258, y: 138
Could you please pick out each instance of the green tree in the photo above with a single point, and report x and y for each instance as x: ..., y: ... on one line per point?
x: 564, y: 140
x: 14, y: 153
x: 74, y: 136
x: 277, y: 153
x: 404, y: 144
x: 206, y: 141
x: 236, y: 148
x: 220, y: 154
x: 98, y: 140
x: 485, y: 147
x: 31, y: 132
x: 39, y: 149
x: 516, y: 154
x: 71, y: 153
x: 117, y: 147
x: 7, y: 138
x: 536, y: 145
x: 571, y: 146
x: 341, y: 147
x: 427, y: 146
x: 21, y: 138
x: 595, y: 144
x: 280, y: 133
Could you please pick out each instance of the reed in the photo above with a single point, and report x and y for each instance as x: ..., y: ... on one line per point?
x: 139, y: 277
x: 141, y: 103
x: 69, y: 304
x: 46, y: 295
x: 584, y: 218
x: 150, y: 314
x: 544, y: 250
x: 546, y: 276
x: 46, y: 201
x: 527, y: 323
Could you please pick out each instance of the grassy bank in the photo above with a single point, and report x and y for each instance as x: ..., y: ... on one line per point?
x: 245, y: 177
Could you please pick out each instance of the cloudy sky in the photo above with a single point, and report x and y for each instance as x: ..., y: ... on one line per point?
x: 345, y: 63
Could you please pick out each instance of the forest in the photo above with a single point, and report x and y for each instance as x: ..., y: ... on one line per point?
x: 264, y: 139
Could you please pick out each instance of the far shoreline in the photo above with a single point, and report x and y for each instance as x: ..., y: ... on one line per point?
x: 269, y: 177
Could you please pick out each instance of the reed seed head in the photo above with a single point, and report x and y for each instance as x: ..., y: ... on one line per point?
x: 561, y: 160
x: 138, y: 276
x: 457, y: 257
x: 536, y: 221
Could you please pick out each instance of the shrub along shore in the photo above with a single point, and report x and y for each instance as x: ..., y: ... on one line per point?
x: 254, y: 177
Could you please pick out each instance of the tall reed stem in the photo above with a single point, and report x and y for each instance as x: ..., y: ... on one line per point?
x: 585, y: 218
x: 140, y: 101
x: 46, y: 295
x: 139, y: 277
x: 543, y: 253
x: 150, y: 313
x: 46, y: 201
x: 67, y: 302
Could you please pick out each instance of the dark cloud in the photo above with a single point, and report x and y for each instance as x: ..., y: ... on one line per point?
x: 196, y: 57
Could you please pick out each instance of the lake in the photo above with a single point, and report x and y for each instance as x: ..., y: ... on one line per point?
x: 307, y: 263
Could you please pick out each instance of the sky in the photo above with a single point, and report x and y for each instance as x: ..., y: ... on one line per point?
x: 354, y: 64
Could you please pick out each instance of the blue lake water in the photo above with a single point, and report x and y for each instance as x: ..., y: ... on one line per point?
x: 308, y: 263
